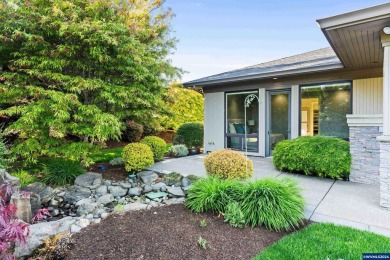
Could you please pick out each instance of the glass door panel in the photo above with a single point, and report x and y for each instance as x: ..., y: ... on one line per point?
x: 279, y: 123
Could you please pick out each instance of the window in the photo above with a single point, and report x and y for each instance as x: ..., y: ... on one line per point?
x: 235, y: 122
x: 324, y: 108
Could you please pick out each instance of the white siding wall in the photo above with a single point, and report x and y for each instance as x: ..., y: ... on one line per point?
x: 214, y: 120
x: 262, y: 121
x: 295, y: 110
x: 368, y: 96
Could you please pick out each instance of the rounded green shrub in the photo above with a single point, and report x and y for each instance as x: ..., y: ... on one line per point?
x: 133, y: 131
x: 228, y: 164
x: 318, y: 155
x: 137, y: 157
x: 59, y: 171
x: 178, y: 150
x: 212, y: 194
x: 190, y: 134
x: 275, y: 203
x: 157, y: 145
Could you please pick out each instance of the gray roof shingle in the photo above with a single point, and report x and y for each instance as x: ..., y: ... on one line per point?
x: 307, y: 60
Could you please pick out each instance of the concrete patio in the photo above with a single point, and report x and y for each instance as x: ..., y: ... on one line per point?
x: 340, y: 202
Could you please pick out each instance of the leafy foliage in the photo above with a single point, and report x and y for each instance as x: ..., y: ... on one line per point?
x: 185, y: 105
x: 234, y: 215
x: 117, y: 162
x: 319, y: 156
x: 137, y: 157
x: 73, y: 71
x: 212, y: 194
x: 60, y: 171
x: 275, y: 203
x: 157, y: 145
x: 106, y: 155
x: 178, y: 150
x: 228, y: 164
x: 11, y: 230
x: 190, y: 134
x: 133, y: 132
x: 25, y: 177
x: 326, y: 241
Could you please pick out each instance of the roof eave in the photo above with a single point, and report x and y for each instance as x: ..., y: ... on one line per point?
x: 356, y: 17
x: 264, y: 75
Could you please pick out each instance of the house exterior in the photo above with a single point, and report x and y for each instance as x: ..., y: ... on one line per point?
x: 341, y: 91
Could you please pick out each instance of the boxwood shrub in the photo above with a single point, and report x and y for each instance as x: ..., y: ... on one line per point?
x: 190, y: 134
x: 137, y: 157
x: 157, y: 145
x: 319, y: 156
x: 228, y: 164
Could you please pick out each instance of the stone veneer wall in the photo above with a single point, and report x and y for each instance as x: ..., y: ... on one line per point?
x: 385, y: 174
x: 365, y: 151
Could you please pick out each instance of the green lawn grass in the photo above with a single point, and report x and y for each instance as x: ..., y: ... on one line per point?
x: 107, y: 155
x: 326, y: 241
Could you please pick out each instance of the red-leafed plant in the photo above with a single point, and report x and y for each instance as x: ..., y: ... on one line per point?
x: 11, y: 229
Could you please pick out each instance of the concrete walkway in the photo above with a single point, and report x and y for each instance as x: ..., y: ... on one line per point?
x: 340, y: 202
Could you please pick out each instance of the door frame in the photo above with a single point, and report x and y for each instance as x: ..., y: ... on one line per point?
x: 268, y: 151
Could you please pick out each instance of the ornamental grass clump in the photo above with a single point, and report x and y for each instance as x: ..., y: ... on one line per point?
x: 212, y: 194
x: 137, y: 157
x: 157, y: 145
x: 274, y: 203
x: 228, y: 164
x: 314, y: 155
x: 59, y: 171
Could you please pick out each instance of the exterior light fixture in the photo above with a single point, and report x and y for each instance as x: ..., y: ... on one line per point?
x: 386, y: 30
x: 274, y: 78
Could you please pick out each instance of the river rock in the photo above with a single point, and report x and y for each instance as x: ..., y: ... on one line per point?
x: 125, y: 185
x: 90, y: 180
x: 185, y: 182
x: 136, y: 191
x: 134, y: 206
x: 86, y: 208
x: 148, y: 177
x: 176, y: 191
x: 102, y: 190
x: 76, y: 193
x: 117, y: 191
x: 105, y: 199
x: 159, y: 186
x: 41, y: 231
x: 147, y: 188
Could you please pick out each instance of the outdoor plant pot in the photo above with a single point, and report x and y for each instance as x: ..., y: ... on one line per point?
x: 193, y: 151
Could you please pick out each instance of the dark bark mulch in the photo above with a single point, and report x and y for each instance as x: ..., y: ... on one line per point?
x: 115, y: 144
x: 169, y: 232
x: 115, y: 173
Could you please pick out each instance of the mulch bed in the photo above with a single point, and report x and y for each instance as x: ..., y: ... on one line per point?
x: 115, y: 173
x: 169, y: 232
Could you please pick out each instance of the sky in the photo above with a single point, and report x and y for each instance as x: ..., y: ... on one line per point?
x: 221, y: 35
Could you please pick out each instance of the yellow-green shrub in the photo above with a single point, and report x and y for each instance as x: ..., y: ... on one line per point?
x: 158, y: 146
x: 137, y: 157
x: 228, y: 164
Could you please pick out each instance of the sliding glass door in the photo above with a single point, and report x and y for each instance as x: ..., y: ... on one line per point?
x: 235, y: 125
